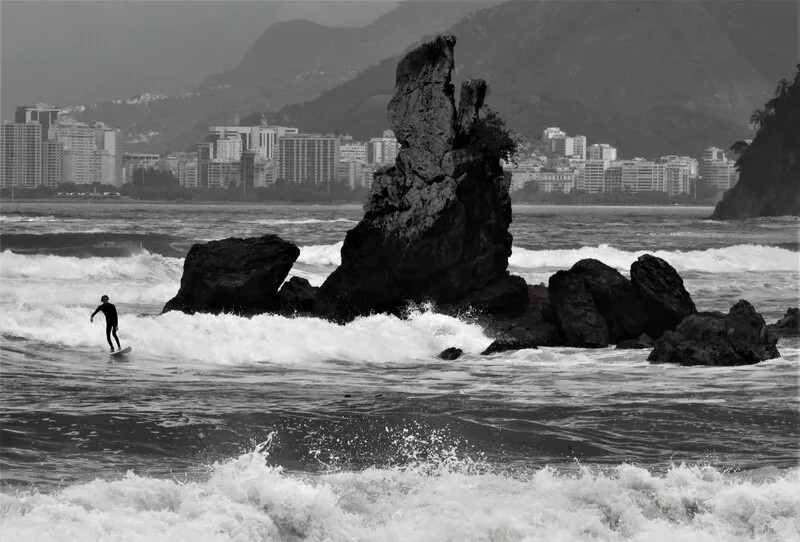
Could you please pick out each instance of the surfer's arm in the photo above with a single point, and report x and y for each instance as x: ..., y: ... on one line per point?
x: 91, y: 318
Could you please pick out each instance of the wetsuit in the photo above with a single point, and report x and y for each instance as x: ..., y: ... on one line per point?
x: 110, y: 312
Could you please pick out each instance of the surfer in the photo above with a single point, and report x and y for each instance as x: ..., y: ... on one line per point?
x: 110, y: 312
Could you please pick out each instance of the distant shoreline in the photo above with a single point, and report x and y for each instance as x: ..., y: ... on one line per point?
x: 123, y: 201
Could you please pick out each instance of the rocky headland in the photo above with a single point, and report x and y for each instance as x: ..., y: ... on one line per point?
x: 769, y: 167
x: 435, y: 230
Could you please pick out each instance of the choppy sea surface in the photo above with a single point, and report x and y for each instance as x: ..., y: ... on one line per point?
x: 272, y: 428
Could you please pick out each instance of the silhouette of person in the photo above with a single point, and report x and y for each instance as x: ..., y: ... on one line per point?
x: 110, y: 312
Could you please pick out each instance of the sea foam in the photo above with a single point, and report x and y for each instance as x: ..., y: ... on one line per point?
x: 247, y: 498
x: 231, y: 340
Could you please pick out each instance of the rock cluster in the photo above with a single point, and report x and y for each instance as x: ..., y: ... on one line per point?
x: 435, y: 228
x: 711, y: 338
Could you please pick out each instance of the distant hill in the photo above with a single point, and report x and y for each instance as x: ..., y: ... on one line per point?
x: 84, y: 52
x: 290, y: 62
x: 648, y: 77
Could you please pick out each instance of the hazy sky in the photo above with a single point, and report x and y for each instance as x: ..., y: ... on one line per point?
x: 77, y: 52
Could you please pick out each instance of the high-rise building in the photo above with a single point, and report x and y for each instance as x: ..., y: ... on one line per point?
x: 205, y: 152
x: 42, y: 114
x: 353, y: 152
x: 384, y: 149
x: 308, y: 158
x: 52, y: 163
x: 569, y: 146
x: 601, y: 151
x: 592, y: 178
x: 717, y: 170
x: 21, y: 150
x: 224, y: 174
x: 94, y: 152
x: 579, y: 147
x: 228, y: 149
x: 187, y: 172
x: 679, y: 171
x: 263, y: 138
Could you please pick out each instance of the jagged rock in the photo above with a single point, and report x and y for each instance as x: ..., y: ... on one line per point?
x: 297, y: 296
x: 234, y: 275
x: 449, y: 354
x: 422, y: 112
x: 506, y: 344
x: 576, y: 312
x: 435, y: 224
x: 769, y: 167
x: 662, y: 294
x: 641, y: 342
x: 711, y: 338
x: 788, y: 326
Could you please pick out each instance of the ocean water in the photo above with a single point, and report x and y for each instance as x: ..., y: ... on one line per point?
x: 272, y: 428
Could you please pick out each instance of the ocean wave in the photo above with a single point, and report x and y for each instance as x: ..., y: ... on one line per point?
x: 142, y: 265
x: 64, y: 280
x: 321, y: 254
x: 288, y: 221
x: 247, y: 498
x: 728, y: 259
x: 261, y: 339
x: 16, y: 218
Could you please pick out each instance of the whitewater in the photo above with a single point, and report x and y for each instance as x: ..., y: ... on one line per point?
x: 270, y: 428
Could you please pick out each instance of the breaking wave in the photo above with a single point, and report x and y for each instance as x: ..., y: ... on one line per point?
x: 449, y: 498
x: 261, y: 339
x: 288, y: 221
x: 728, y: 259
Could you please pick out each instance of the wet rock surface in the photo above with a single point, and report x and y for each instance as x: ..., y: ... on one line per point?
x: 234, y: 275
x: 740, y: 337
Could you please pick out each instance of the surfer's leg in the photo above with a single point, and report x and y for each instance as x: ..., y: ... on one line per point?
x: 109, y: 328
x: 114, y: 331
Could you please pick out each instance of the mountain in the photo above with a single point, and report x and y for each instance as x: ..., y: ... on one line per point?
x: 291, y: 61
x: 70, y: 53
x: 648, y: 77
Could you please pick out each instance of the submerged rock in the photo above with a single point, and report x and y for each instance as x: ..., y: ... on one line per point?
x: 506, y: 344
x: 788, y: 326
x: 641, y: 342
x: 239, y: 276
x: 712, y: 338
x: 660, y: 290
x: 449, y: 354
x: 435, y: 225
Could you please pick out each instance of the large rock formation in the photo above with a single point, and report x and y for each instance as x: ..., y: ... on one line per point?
x: 239, y: 276
x: 769, y: 167
x: 435, y: 224
x: 711, y: 338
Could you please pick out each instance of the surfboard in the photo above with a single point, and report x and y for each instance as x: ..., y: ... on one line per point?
x: 123, y: 351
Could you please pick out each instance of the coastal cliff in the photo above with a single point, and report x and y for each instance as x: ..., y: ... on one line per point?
x: 769, y: 167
